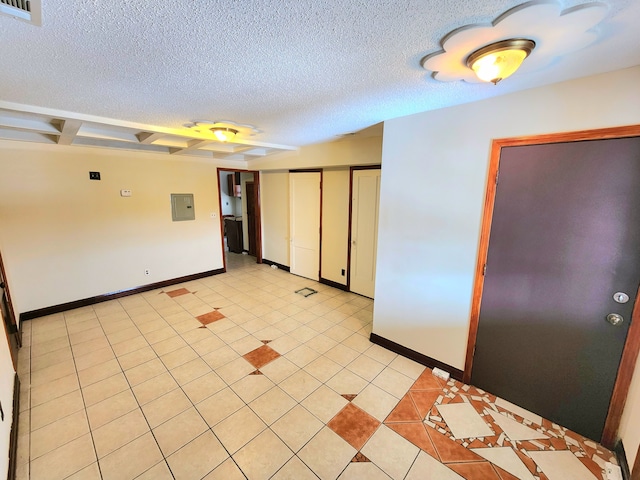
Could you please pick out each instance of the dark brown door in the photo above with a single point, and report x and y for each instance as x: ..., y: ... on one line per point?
x: 565, y: 238
x: 251, y: 217
x: 10, y: 325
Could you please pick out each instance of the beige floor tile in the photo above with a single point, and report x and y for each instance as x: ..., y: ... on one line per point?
x: 179, y: 357
x: 342, y: 355
x: 166, y: 407
x: 64, y: 461
x: 43, y: 348
x: 180, y: 430
x: 302, y: 355
x: 272, y: 405
x: 94, y: 358
x: 137, y: 357
x: 294, y: 469
x: 251, y: 387
x: 297, y: 427
x: 159, y: 471
x: 380, y: 354
x: 358, y: 343
x: 197, y: 458
x: 145, y: 371
x: 284, y: 344
x: 119, y: 432
x: 227, y: 471
x: 321, y: 344
x: 428, y: 468
x: 327, y: 454
x: 131, y: 460
x: 407, y: 367
x: 56, y: 434
x: 104, y: 389
x: 219, y: 406
x: 360, y: 470
x: 92, y: 472
x: 208, y: 345
x: 55, y: 409
x: 123, y: 335
x: 300, y: 385
x: 203, y: 387
x: 132, y: 345
x: 235, y: 370
x: 279, y: 369
x: 391, y: 452
x: 161, y: 334
x: 239, y: 429
x: 99, y: 372
x: 54, y: 372
x: 113, y: 407
x: 323, y: 368
x: 191, y: 370
x: 246, y: 344
x: 86, y: 335
x: 376, y: 402
x: 221, y: 356
x: 346, y: 382
x: 263, y: 456
x: 324, y: 403
x: 51, y: 390
x: 48, y: 359
x: 366, y: 367
x: 154, y: 388
x: 393, y: 382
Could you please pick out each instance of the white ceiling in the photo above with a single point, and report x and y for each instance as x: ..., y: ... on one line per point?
x: 301, y: 71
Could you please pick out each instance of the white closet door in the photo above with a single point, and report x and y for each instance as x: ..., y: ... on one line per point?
x: 304, y: 188
x: 364, y: 231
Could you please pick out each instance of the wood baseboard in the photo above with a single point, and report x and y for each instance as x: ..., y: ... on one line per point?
x: 333, y: 284
x: 63, y: 307
x: 415, y: 356
x: 621, y: 456
x: 279, y: 265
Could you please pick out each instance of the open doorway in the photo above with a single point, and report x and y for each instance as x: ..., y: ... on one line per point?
x: 240, y: 220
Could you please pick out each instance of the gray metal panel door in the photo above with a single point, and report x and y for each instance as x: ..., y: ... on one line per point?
x: 565, y: 237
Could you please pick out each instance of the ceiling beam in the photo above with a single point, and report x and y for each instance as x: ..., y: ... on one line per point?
x: 148, y: 138
x: 68, y: 131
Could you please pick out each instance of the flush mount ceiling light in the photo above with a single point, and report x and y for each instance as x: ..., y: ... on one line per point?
x: 224, y: 134
x: 511, y: 38
x: 500, y: 60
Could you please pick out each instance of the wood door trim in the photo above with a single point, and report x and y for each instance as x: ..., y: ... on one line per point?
x: 632, y: 343
x: 635, y: 472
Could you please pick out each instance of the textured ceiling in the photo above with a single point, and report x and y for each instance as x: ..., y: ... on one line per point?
x: 302, y: 71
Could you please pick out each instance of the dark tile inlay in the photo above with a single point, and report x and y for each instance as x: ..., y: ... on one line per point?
x: 257, y: 372
x: 359, y: 458
x: 349, y: 396
x: 261, y: 356
x: 177, y: 293
x: 210, y: 317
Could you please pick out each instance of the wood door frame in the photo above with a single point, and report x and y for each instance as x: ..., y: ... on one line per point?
x: 12, y: 317
x: 257, y: 211
x: 632, y: 343
x: 351, y: 170
x: 321, y: 172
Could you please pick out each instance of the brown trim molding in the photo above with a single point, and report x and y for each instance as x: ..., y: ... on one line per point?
x: 415, y: 356
x: 279, y: 265
x: 13, y: 438
x: 632, y: 344
x: 635, y: 473
x: 621, y: 456
x: 306, y: 170
x: 333, y: 284
x: 63, y: 307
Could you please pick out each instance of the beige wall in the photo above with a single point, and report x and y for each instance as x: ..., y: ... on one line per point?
x: 65, y: 237
x: 630, y: 424
x: 433, y: 183
x: 274, y: 202
x: 335, y: 224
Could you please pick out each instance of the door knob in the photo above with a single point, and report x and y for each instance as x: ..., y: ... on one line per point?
x: 621, y: 297
x: 615, y: 319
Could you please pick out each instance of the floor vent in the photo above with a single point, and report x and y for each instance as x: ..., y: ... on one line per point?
x: 27, y: 10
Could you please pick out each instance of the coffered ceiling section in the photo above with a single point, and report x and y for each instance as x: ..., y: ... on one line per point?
x: 30, y: 124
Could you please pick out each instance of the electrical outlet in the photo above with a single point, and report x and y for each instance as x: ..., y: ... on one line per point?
x: 343, y: 272
x: 147, y: 272
x: 94, y: 175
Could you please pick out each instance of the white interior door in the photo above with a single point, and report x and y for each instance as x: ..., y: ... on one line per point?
x: 364, y: 231
x: 304, y: 188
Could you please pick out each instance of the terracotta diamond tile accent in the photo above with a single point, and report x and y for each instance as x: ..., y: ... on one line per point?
x: 450, y: 451
x: 415, y: 432
x: 359, y: 458
x: 475, y: 471
x: 405, y: 411
x: 426, y: 381
x: 210, y: 317
x: 261, y: 356
x: 354, y: 425
x: 177, y: 293
x: 349, y: 396
x: 256, y: 372
x: 424, y: 400
x: 265, y: 341
x: 528, y: 461
x: 504, y: 475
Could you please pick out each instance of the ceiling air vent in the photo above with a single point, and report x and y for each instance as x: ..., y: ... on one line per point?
x: 27, y: 10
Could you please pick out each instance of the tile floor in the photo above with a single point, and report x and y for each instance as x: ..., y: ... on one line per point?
x: 235, y: 376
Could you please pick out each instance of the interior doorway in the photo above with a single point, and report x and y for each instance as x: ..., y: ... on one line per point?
x: 240, y: 218
x: 8, y: 316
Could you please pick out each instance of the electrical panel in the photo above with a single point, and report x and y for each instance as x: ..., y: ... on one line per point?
x: 182, y: 207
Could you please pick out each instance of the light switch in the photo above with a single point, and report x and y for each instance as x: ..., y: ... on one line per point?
x: 125, y: 193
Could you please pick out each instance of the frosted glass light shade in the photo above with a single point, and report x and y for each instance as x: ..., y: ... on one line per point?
x: 500, y: 60
x: 224, y: 134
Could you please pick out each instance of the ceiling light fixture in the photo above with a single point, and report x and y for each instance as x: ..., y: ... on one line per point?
x: 224, y: 134
x: 500, y: 60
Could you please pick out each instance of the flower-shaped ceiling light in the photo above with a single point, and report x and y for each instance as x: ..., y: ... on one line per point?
x: 223, y: 130
x: 552, y: 31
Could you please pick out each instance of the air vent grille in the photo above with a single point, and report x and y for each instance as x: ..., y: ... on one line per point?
x: 27, y: 10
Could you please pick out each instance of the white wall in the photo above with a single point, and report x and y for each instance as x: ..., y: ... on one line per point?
x: 66, y: 237
x: 7, y: 377
x: 433, y: 183
x: 335, y: 224
x: 274, y: 201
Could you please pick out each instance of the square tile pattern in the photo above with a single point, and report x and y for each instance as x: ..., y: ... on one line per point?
x: 237, y: 376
